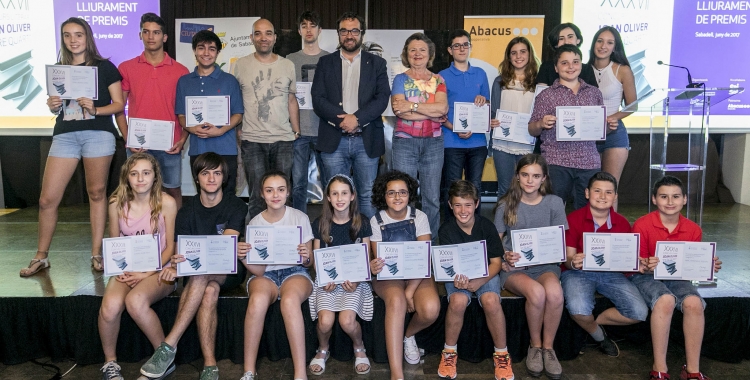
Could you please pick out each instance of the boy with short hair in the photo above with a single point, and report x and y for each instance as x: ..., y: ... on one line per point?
x: 467, y: 227
x: 667, y: 224
x: 579, y: 287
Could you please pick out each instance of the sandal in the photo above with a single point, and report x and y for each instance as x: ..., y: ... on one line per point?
x: 96, y: 263
x: 35, y: 266
x: 358, y: 361
x: 319, y: 362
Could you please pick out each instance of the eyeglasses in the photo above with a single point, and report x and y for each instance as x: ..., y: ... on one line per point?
x: 354, y: 32
x: 393, y: 193
x: 464, y: 45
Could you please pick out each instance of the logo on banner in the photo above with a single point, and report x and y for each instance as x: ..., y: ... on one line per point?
x: 188, y: 30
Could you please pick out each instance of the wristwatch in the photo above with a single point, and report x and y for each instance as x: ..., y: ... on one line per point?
x: 297, y: 134
x: 414, y: 107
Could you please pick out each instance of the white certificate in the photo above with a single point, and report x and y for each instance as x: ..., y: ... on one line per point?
x: 682, y: 260
x: 73, y: 82
x: 207, y: 254
x: 539, y: 88
x: 273, y: 244
x: 539, y: 245
x: 405, y: 260
x: 137, y: 253
x: 304, y: 98
x: 467, y: 117
x: 150, y: 134
x: 207, y: 109
x: 514, y: 127
x: 469, y: 259
x: 588, y: 123
x: 611, y: 252
x: 342, y: 263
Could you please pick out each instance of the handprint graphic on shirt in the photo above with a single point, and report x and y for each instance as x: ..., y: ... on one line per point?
x: 265, y: 90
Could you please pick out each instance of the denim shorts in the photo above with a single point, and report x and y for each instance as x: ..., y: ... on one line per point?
x: 652, y: 289
x: 170, y: 165
x: 616, y: 139
x: 279, y: 276
x: 87, y: 144
x: 534, y: 272
x: 493, y: 285
x: 579, y: 288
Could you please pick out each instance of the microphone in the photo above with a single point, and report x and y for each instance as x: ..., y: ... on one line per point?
x: 690, y: 79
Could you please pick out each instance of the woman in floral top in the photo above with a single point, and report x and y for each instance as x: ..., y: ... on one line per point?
x: 420, y: 102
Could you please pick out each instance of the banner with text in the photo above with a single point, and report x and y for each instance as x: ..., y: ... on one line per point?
x: 235, y: 34
x: 491, y: 34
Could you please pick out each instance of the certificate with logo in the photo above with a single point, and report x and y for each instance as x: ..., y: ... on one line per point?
x: 304, y: 99
x: 469, y: 259
x: 542, y: 245
x: 683, y: 260
x: 207, y: 109
x: 342, y: 263
x: 137, y: 253
x: 611, y: 252
x: 73, y: 82
x: 588, y: 123
x: 467, y: 117
x: 207, y: 254
x: 513, y: 127
x: 273, y: 244
x: 405, y: 260
x: 150, y: 134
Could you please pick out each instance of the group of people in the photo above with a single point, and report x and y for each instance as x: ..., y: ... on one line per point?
x: 344, y: 132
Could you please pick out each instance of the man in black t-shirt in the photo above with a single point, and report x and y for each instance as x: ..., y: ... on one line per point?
x: 211, y: 212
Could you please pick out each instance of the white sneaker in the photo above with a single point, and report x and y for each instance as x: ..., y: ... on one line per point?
x: 411, y: 351
x: 249, y: 376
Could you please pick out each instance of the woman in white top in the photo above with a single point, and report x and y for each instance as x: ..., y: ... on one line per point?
x: 512, y: 90
x: 615, y: 78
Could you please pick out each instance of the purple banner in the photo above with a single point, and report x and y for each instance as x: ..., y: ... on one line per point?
x: 115, y: 24
x: 712, y: 38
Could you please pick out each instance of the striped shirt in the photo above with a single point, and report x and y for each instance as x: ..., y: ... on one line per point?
x: 570, y: 154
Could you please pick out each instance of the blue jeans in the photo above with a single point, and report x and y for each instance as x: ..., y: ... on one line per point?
x: 422, y: 158
x: 565, y: 180
x: 505, y: 168
x: 350, y: 155
x: 258, y: 159
x: 579, y: 288
x: 652, y: 289
x: 303, y: 148
x: 493, y: 286
x: 456, y: 162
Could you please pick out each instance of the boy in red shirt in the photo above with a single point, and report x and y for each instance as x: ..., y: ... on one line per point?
x: 579, y: 286
x: 667, y: 224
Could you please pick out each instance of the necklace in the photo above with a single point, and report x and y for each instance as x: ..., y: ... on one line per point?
x: 600, y: 71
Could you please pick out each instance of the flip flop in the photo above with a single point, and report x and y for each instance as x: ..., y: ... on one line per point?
x: 35, y: 266
x: 358, y: 361
x: 96, y: 263
x: 319, y: 362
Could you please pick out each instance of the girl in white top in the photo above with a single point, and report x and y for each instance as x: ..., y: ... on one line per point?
x: 395, y: 220
x: 615, y: 79
x: 289, y: 283
x: 512, y: 90
x: 137, y: 207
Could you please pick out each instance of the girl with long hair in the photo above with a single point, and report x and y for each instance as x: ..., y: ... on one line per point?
x: 529, y: 203
x: 512, y: 90
x: 291, y: 284
x: 137, y: 207
x: 616, y: 81
x: 396, y: 220
x: 341, y: 224
x: 83, y: 130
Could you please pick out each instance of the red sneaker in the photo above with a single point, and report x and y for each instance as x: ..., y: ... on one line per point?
x: 655, y: 375
x: 685, y: 375
x: 447, y: 366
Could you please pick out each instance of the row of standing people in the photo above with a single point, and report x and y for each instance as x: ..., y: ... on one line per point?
x: 529, y: 203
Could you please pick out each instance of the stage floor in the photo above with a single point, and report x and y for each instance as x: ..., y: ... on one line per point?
x: 70, y: 274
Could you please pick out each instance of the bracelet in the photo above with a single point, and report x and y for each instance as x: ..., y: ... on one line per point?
x: 96, y: 111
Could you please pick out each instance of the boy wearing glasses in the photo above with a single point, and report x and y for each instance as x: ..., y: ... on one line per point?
x: 463, y: 151
x: 350, y: 91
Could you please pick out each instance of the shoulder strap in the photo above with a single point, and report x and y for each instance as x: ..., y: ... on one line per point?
x: 379, y: 218
x: 413, y: 214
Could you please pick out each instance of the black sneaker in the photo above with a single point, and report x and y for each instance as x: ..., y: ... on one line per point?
x: 609, y: 347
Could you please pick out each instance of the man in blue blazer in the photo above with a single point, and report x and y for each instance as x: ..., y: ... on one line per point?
x: 350, y: 91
